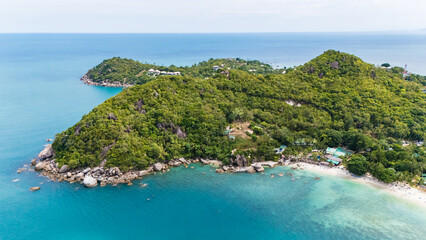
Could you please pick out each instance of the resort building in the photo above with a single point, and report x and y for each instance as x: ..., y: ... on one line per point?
x: 280, y: 150
x: 334, y: 160
x: 338, y: 152
x: 333, y: 154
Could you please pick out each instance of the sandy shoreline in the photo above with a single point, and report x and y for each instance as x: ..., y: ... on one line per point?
x: 401, y: 190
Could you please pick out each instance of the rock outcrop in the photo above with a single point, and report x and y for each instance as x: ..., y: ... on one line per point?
x: 47, y: 152
x: 239, y: 161
x: 244, y: 169
x: 89, y: 181
x: 258, y: 167
x: 64, y: 169
x: 158, y: 167
x: 334, y: 64
x: 40, y: 166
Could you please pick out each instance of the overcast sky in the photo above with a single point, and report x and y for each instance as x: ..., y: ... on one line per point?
x: 170, y: 16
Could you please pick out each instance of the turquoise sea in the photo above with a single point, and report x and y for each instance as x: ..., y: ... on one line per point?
x: 41, y: 95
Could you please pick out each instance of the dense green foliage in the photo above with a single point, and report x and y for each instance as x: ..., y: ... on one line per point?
x: 334, y: 100
x: 358, y: 165
x: 123, y: 70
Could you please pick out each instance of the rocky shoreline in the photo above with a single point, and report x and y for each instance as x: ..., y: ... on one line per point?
x: 100, y: 175
x: 91, y: 177
x: 86, y: 80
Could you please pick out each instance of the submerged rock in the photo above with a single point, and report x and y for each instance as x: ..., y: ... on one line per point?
x: 34, y: 188
x: 90, y: 181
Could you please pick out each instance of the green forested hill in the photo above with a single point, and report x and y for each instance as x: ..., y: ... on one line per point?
x: 335, y: 99
x: 123, y: 70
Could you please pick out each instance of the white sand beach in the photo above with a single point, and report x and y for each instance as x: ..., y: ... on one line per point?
x: 402, y: 190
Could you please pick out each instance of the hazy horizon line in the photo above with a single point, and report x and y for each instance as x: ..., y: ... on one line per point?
x: 423, y: 30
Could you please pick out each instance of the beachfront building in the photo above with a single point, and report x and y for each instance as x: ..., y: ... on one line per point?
x: 334, y: 160
x: 280, y: 150
x: 338, y: 152
x: 334, y: 155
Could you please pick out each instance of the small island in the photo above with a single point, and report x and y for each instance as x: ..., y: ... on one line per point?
x: 335, y: 110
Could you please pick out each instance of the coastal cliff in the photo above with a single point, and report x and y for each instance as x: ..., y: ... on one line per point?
x: 334, y: 100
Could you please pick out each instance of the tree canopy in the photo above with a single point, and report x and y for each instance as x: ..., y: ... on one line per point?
x: 335, y: 99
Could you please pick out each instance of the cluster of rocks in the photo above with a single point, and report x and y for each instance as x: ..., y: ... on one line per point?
x: 253, y: 168
x: 87, y: 80
x: 101, y: 175
x: 240, y: 164
x: 91, y: 177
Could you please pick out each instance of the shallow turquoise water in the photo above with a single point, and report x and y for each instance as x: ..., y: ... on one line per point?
x: 40, y: 95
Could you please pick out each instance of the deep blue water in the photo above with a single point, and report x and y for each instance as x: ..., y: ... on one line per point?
x: 40, y: 95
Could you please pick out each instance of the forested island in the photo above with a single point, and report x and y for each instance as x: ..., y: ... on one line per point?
x: 240, y: 112
x: 123, y: 72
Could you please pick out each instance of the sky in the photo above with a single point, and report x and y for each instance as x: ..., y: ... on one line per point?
x: 207, y: 16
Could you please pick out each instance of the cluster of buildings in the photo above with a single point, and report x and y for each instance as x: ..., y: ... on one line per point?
x: 333, y: 154
x: 158, y: 72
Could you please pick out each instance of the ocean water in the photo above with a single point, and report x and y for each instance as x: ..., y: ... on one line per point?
x: 40, y: 95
